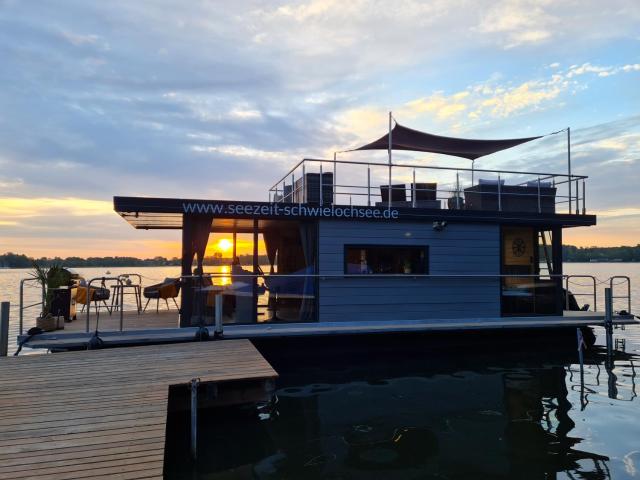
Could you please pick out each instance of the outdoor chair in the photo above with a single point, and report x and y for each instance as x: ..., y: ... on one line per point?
x: 96, y: 295
x: 169, y: 289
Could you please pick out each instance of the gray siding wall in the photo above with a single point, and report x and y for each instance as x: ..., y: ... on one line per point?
x: 458, y: 249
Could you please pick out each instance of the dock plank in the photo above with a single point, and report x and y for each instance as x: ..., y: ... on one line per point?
x: 102, y: 413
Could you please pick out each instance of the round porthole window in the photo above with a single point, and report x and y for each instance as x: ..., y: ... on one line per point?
x: 518, y: 247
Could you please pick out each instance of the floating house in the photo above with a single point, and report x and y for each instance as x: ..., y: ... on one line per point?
x: 424, y: 245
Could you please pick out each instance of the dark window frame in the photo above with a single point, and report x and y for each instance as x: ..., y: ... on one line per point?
x: 425, y: 248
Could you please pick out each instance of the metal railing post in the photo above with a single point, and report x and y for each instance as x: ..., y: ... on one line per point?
x: 569, y: 164
x: 321, y: 182
x: 88, y: 305
x: 303, y: 198
x: 218, y: 328
x: 121, y: 290
x: 293, y: 188
x: 457, y: 190
x: 335, y: 171
x: 577, y: 196
x: 539, y: 202
x: 4, y: 329
x: 368, y: 186
x: 584, y: 195
x: 608, y: 319
x: 413, y: 190
x: 21, y: 317
x: 499, y: 195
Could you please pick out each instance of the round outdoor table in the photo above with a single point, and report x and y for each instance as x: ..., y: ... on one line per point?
x: 131, y: 289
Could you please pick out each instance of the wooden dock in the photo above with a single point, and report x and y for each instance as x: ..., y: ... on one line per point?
x: 102, y: 413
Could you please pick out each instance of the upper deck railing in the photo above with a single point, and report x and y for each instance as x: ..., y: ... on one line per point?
x: 423, y: 186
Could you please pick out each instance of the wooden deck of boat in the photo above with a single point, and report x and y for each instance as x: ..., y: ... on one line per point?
x: 102, y: 413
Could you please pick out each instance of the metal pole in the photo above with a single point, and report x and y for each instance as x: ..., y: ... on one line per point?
x: 539, y: 203
x: 235, y: 237
x: 473, y: 162
x: 608, y: 320
x: 334, y: 177
x: 390, y: 161
x: 293, y: 188
x: 584, y: 196
x: 121, y: 283
x: 321, y: 182
x: 577, y: 196
x: 457, y: 190
x: 21, y: 304
x: 304, y: 186
x: 4, y: 329
x: 413, y: 190
x: 88, y: 305
x: 194, y: 417
x: 218, y: 316
x: 569, y: 164
x: 499, y: 195
x: 368, y: 186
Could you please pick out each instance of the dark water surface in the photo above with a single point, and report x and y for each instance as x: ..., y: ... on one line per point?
x: 428, y: 408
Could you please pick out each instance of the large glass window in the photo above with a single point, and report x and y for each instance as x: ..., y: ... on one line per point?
x: 386, y: 259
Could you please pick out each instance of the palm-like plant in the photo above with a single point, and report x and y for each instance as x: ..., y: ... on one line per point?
x: 49, y: 278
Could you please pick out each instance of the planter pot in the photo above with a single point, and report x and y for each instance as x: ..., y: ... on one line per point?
x: 49, y: 323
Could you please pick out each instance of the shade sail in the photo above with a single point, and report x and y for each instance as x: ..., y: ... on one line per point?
x: 404, y: 138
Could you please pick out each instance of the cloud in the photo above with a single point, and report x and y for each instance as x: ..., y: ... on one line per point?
x: 145, y: 98
x: 519, y: 22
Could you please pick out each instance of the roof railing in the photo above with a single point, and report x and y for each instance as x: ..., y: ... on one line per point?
x: 366, y: 183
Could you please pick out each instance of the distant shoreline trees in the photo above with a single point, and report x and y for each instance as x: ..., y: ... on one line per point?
x: 16, y: 260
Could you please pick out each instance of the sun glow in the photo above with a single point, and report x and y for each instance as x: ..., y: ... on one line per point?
x: 224, y: 245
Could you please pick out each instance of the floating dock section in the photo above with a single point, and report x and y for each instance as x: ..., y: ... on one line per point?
x: 103, y: 413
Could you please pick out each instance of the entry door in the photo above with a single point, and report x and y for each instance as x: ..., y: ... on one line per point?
x: 518, y: 258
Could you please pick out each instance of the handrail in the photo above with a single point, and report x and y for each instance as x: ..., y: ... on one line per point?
x: 627, y: 280
x: 594, y: 294
x: 88, y: 288
x: 22, y: 307
x: 283, y: 191
x: 431, y: 167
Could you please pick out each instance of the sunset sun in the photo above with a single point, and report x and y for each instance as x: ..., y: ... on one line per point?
x: 224, y: 245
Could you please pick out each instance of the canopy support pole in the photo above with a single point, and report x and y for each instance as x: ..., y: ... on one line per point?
x: 473, y: 162
x: 390, y: 159
x: 235, y: 236
x: 569, y: 164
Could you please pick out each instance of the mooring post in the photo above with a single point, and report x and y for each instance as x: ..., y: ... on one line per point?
x: 194, y: 417
x: 4, y: 329
x: 608, y: 321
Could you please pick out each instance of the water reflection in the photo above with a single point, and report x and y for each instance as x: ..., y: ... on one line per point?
x: 429, y: 414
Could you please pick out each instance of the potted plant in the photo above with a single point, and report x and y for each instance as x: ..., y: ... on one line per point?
x: 49, y: 279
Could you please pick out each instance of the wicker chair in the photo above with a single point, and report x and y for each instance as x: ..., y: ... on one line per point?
x: 169, y: 289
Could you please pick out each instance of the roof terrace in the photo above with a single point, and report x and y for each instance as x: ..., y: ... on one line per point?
x: 397, y: 184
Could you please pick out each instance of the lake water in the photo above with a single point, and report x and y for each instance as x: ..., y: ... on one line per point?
x: 418, y: 408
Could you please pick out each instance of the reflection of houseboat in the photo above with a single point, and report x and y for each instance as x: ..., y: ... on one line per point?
x: 360, y: 247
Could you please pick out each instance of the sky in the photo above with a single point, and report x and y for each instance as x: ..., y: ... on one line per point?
x: 217, y: 100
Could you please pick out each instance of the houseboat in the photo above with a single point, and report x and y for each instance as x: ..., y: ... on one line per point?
x: 348, y: 245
